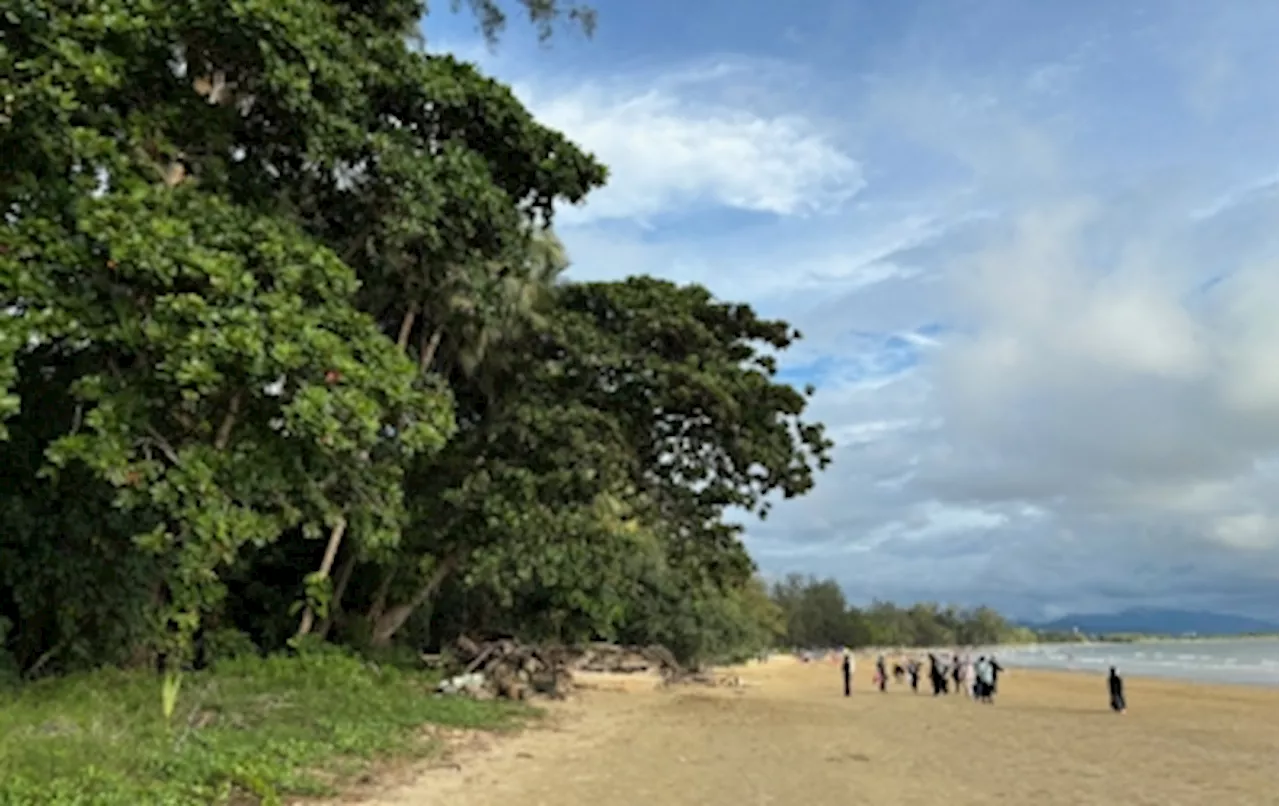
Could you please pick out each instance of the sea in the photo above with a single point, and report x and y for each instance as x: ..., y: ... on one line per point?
x: 1242, y: 661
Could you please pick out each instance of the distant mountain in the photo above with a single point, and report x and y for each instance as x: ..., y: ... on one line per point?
x: 1154, y: 621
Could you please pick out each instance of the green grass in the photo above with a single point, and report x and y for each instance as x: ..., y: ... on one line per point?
x: 247, y: 733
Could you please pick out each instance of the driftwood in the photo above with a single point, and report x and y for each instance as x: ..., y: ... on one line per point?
x: 509, y: 669
x: 627, y: 660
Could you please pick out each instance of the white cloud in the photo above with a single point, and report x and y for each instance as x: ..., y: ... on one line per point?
x: 687, y: 141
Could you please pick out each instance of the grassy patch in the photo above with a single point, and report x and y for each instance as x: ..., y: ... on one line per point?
x: 247, y: 733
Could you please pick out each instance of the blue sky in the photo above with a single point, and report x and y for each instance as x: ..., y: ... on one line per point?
x: 1033, y: 250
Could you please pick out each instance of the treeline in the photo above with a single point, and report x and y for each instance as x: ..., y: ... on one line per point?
x: 286, y: 356
x: 815, y: 614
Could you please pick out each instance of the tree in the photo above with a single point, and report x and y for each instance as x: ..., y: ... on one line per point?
x: 693, y: 396
x: 642, y: 390
x: 284, y: 339
x: 815, y: 614
x: 221, y: 219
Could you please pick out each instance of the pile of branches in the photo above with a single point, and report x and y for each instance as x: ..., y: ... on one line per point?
x: 628, y: 660
x: 509, y: 669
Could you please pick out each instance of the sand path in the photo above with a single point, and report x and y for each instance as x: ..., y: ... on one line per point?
x: 790, y: 739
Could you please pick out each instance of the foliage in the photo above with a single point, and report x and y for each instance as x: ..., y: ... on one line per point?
x: 816, y: 614
x: 584, y: 412
x: 257, y: 728
x: 544, y: 14
x: 221, y: 221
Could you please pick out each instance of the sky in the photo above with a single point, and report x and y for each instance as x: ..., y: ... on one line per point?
x: 1032, y: 248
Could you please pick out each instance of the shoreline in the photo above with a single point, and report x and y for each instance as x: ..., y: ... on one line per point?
x: 1014, y: 656
x: 1167, y: 678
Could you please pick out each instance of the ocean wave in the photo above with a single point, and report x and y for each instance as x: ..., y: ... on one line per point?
x: 1234, y: 662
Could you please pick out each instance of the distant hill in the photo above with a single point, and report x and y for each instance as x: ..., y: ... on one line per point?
x: 1152, y: 621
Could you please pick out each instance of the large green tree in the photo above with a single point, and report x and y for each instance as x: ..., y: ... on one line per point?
x: 225, y: 225
x: 652, y: 393
x: 286, y: 348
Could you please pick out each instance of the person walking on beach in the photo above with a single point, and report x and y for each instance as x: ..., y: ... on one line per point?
x: 1115, y: 686
x: 996, y: 669
x: 957, y: 671
x: 881, y: 678
x: 846, y: 670
x: 913, y: 673
x: 936, y: 677
x: 985, y: 680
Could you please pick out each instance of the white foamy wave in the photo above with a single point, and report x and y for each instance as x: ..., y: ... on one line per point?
x: 1252, y: 661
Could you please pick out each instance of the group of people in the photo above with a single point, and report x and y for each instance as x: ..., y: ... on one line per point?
x: 978, y: 679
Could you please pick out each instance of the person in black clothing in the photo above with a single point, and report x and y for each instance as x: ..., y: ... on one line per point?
x: 846, y: 669
x: 1115, y: 685
x: 880, y: 673
x: 996, y: 669
x: 936, y: 677
x: 913, y: 672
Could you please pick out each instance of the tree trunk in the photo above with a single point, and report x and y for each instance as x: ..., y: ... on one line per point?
x: 228, y: 422
x: 330, y: 554
x: 380, y: 597
x: 406, y: 328
x: 390, y: 622
x: 339, y: 588
x: 427, y: 353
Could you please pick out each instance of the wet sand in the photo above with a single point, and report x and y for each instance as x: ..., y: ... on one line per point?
x: 788, y: 737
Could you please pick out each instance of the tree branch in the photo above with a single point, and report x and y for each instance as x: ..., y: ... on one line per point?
x: 380, y: 597
x: 228, y: 422
x: 406, y: 327
x: 388, y: 623
x: 164, y: 446
x: 326, y: 564
x: 427, y: 354
x: 339, y: 588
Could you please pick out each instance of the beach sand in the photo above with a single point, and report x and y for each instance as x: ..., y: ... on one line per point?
x: 788, y: 737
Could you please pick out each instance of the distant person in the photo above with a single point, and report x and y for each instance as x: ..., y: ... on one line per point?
x: 898, y: 672
x: 846, y: 670
x: 882, y: 679
x: 984, y: 680
x: 1115, y: 686
x: 996, y: 669
x: 957, y: 672
x: 936, y: 678
x: 913, y: 674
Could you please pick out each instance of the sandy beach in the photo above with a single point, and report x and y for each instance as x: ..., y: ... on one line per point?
x: 788, y: 737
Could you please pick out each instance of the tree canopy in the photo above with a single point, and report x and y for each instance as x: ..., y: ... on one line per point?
x: 286, y: 354
x: 814, y: 613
